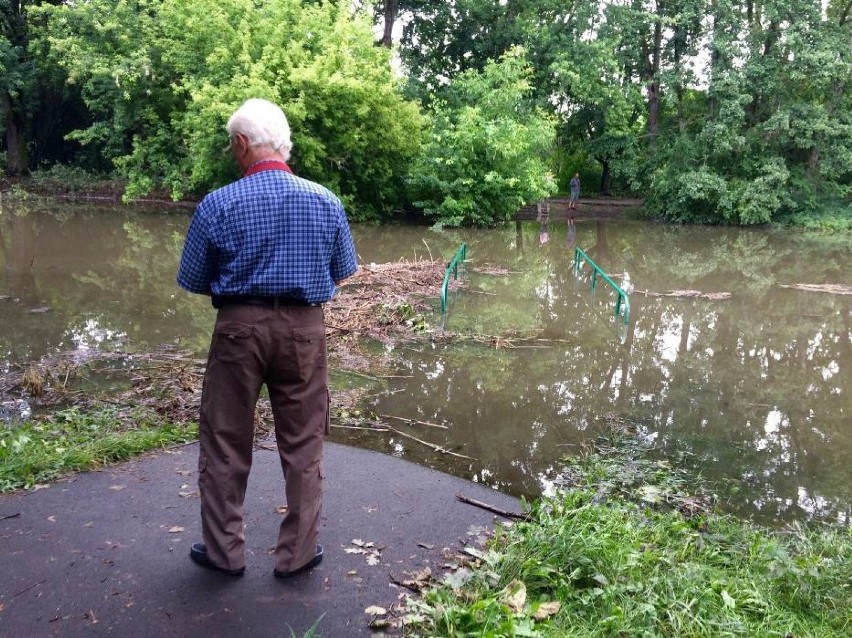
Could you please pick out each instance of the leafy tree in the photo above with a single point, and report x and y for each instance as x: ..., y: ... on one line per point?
x: 36, y: 109
x: 161, y: 77
x: 15, y: 76
x: 486, y: 155
x: 777, y: 132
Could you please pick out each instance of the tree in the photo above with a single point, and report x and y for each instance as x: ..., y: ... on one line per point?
x: 777, y: 131
x: 15, y: 79
x: 486, y: 156
x: 160, y: 78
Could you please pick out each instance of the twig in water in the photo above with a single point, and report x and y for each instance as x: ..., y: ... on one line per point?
x: 413, y: 421
x: 437, y: 448
x: 356, y: 427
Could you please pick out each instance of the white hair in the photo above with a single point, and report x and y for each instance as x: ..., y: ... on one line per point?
x: 264, y: 124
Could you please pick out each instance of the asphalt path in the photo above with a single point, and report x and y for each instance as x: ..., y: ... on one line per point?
x: 107, y: 553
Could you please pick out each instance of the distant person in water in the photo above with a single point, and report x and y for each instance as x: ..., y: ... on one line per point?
x: 575, y: 191
x: 571, y: 235
x: 543, y: 235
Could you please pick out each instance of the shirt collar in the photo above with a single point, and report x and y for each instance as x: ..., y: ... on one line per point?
x: 267, y: 165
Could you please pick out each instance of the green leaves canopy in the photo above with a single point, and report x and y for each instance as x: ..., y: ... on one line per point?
x: 162, y: 77
x: 486, y: 156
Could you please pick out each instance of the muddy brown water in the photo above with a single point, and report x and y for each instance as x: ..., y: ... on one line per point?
x: 754, y: 390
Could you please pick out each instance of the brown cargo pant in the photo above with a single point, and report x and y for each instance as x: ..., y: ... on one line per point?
x: 284, y: 348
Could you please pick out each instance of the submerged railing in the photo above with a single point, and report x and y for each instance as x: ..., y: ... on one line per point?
x: 452, y: 267
x: 622, y: 303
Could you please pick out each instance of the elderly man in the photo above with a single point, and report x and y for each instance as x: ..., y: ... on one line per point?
x: 269, y: 248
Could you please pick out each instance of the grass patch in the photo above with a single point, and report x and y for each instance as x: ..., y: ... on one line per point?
x: 74, y: 440
x: 627, y: 551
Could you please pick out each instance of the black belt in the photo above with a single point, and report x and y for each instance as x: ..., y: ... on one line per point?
x: 267, y: 302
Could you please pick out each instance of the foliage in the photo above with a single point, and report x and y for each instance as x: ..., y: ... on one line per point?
x: 161, y: 79
x: 485, y: 155
x: 830, y: 216
x: 72, y: 441
x: 776, y: 136
x: 69, y: 178
x: 716, y: 112
x: 609, y: 557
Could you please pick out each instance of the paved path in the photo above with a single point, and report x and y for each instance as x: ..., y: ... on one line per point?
x: 107, y: 553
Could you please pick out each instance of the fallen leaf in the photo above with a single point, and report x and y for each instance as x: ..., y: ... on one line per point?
x: 176, y: 529
x: 355, y: 550
x: 358, y: 542
x: 375, y: 610
x: 188, y: 494
x: 52, y: 519
x: 474, y: 552
x: 117, y: 487
x: 423, y: 574
x: 372, y: 559
x: 352, y: 572
x: 427, y: 545
x: 515, y: 596
x: 281, y: 509
x: 546, y: 610
x: 458, y: 578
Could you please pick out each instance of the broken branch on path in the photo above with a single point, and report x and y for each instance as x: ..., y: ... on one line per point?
x: 492, y: 509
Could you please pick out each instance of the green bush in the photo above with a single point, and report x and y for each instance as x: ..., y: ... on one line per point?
x: 485, y: 156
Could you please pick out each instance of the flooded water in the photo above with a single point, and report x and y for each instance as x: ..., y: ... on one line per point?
x: 753, y: 390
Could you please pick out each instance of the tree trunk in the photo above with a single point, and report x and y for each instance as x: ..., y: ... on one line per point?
x: 652, y: 75
x: 391, y: 10
x: 813, y: 163
x: 606, y: 178
x: 17, y: 158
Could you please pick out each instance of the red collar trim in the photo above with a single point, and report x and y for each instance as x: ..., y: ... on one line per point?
x: 267, y: 165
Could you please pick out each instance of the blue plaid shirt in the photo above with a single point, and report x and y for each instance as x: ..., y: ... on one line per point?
x: 268, y: 234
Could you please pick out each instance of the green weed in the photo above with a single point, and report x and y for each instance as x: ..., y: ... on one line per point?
x: 72, y: 440
x: 626, y: 551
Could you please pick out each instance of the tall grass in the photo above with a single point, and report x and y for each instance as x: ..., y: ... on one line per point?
x: 623, y: 555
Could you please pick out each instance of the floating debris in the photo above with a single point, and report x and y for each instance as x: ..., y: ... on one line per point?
x: 833, y: 289
x: 686, y: 294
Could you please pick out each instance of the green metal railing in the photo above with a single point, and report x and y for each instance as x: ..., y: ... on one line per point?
x: 452, y: 267
x: 622, y: 303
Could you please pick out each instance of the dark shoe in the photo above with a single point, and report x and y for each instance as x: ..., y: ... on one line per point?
x: 198, y: 553
x: 316, y: 560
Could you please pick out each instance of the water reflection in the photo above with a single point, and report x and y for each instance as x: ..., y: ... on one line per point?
x: 754, y: 389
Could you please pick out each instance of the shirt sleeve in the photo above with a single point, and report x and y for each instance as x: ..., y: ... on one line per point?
x: 343, y: 260
x: 198, y: 260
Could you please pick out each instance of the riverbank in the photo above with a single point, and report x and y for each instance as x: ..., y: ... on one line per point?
x: 630, y: 546
x: 68, y: 184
